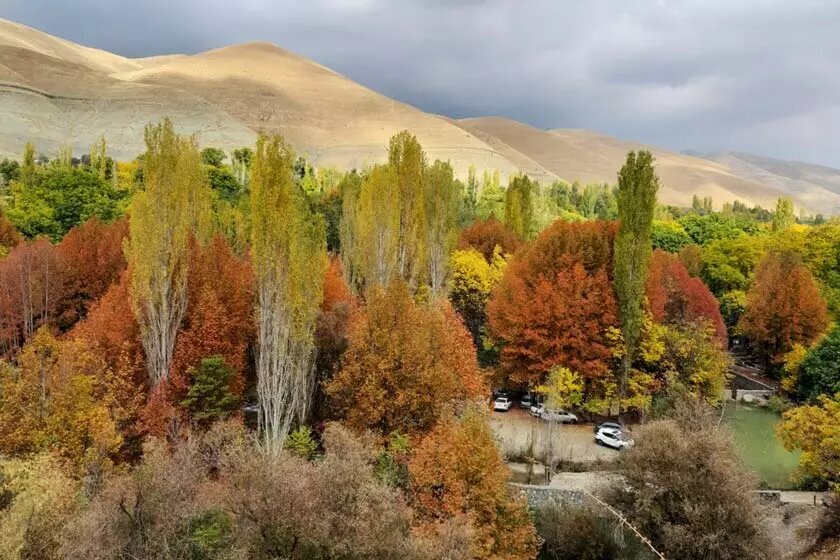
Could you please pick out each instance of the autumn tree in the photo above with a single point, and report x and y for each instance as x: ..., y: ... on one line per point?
x: 442, y: 199
x: 675, y: 297
x: 408, y: 162
x: 289, y: 258
x: 472, y: 280
x: 815, y: 430
x: 332, y: 329
x: 637, y: 187
x: 219, y: 320
x: 555, y: 304
x: 457, y: 470
x: 9, y: 236
x: 406, y: 362
x: 111, y: 332
x: 171, y: 208
x: 90, y: 259
x: 485, y: 235
x: 30, y: 285
x: 784, y: 307
x: 56, y: 398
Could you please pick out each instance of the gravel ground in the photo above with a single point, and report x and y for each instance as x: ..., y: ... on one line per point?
x: 516, y: 430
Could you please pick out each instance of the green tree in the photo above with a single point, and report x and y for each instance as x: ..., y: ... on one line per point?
x: 669, y: 236
x: 27, y: 168
x: 60, y: 198
x: 637, y: 188
x: 213, y: 157
x: 210, y: 397
x: 173, y: 206
x: 491, y: 199
x: 289, y: 256
x: 99, y: 163
x: 519, y: 206
x: 819, y: 372
x: 784, y: 217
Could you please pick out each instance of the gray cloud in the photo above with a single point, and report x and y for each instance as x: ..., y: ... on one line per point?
x: 749, y: 75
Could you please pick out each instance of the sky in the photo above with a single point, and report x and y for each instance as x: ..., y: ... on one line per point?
x: 760, y: 76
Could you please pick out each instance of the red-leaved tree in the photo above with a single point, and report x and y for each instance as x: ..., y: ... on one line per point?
x: 555, y: 304
x: 485, y: 235
x: 784, y: 307
x: 676, y: 297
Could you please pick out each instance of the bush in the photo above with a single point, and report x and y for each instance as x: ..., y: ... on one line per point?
x: 575, y: 533
x: 685, y: 489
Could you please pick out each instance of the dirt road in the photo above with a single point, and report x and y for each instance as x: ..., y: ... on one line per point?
x: 516, y: 431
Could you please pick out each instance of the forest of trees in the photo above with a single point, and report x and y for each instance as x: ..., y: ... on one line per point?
x: 217, y: 356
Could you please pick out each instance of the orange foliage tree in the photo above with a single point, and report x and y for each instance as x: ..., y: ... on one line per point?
x: 676, y: 297
x: 457, y: 471
x: 90, y: 259
x: 784, y: 307
x: 112, y: 333
x: 555, y: 304
x: 331, y: 329
x: 29, y: 287
x: 219, y: 319
x: 485, y: 235
x: 57, y: 398
x: 9, y: 235
x: 405, y: 363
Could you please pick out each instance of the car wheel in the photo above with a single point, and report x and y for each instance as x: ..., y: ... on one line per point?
x: 597, y: 441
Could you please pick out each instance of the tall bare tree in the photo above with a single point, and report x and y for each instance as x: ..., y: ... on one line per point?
x: 289, y: 251
x: 173, y: 205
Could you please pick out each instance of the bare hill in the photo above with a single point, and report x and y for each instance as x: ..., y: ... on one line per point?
x: 585, y: 156
x: 55, y: 92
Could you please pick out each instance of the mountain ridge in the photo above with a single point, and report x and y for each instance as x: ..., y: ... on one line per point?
x: 55, y: 92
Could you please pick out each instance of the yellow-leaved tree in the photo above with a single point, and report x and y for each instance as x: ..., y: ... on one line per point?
x: 173, y: 205
x: 815, y: 429
x: 288, y: 244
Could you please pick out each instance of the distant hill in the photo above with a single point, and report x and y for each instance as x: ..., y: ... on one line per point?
x: 55, y: 92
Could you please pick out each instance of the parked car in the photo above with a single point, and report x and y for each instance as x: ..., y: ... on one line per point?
x: 502, y: 404
x: 612, y: 425
x: 561, y: 416
x: 616, y: 439
x: 526, y: 401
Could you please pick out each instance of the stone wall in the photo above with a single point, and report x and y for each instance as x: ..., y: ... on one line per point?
x: 537, y: 496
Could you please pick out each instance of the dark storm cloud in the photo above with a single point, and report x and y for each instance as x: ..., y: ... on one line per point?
x: 751, y: 75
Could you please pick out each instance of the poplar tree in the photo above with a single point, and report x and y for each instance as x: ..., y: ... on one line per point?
x: 173, y: 206
x: 519, y: 205
x: 379, y: 212
x: 406, y: 158
x: 637, y: 187
x: 784, y: 216
x: 99, y: 158
x: 27, y: 168
x: 443, y: 198
x: 289, y: 253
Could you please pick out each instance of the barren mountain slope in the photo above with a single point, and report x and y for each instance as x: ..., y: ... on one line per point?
x: 55, y: 92
x: 816, y: 185
x: 590, y: 157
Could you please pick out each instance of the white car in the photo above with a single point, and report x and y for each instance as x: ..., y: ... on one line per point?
x: 612, y: 437
x: 561, y: 416
x: 502, y: 404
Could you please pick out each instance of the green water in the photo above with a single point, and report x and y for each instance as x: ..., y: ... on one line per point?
x: 756, y: 442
